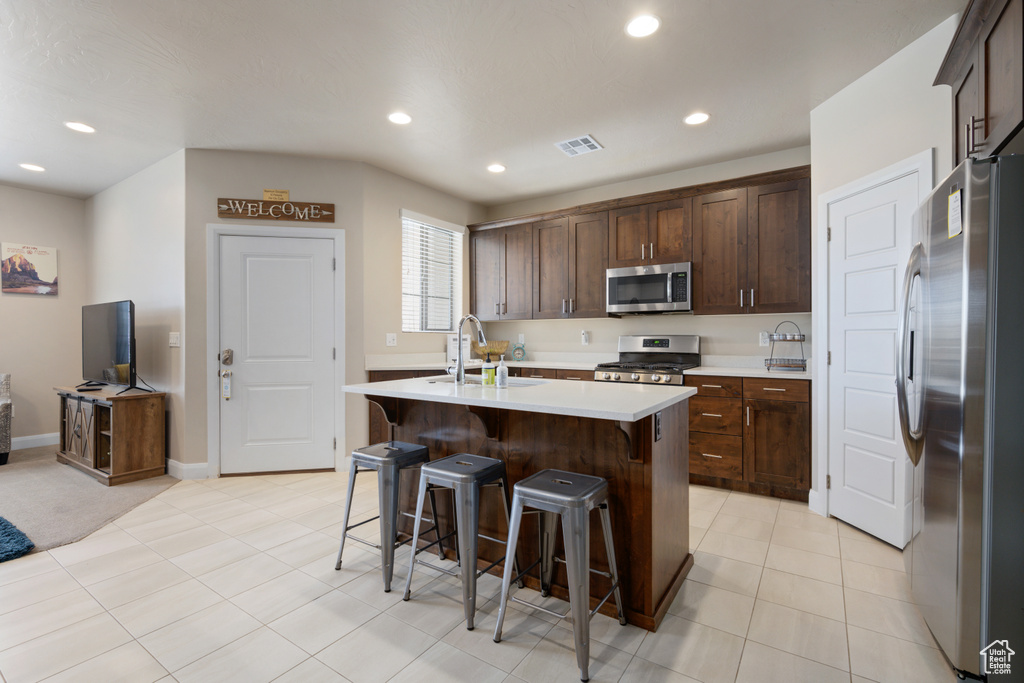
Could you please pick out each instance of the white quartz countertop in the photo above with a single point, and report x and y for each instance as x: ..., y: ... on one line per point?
x: 600, y: 400
x: 762, y: 372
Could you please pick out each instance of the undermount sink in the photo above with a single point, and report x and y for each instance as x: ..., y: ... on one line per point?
x: 477, y: 380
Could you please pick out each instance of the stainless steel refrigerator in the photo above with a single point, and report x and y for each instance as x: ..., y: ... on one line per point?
x: 960, y: 388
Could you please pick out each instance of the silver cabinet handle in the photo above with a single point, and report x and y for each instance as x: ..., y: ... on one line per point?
x: 497, y: 311
x: 748, y: 416
x: 577, y: 378
x: 504, y: 308
x: 711, y: 455
x: 711, y: 415
x: 741, y: 298
x: 772, y: 389
x: 650, y: 248
x: 711, y: 386
x: 643, y: 257
x: 751, y: 296
x: 563, y: 305
x: 570, y: 305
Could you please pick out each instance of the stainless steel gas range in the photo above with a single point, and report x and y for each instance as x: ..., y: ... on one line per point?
x: 652, y: 359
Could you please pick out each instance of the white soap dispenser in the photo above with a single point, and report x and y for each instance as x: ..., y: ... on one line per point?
x: 502, y: 376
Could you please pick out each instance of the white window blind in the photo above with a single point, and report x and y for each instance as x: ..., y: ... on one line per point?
x: 431, y: 275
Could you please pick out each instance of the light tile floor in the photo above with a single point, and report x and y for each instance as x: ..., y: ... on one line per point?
x: 233, y: 580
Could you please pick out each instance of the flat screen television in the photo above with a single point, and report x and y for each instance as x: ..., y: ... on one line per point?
x: 108, y: 343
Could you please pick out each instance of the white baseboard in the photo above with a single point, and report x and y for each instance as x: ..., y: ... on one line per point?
x: 19, y: 442
x: 191, y: 470
x: 817, y: 503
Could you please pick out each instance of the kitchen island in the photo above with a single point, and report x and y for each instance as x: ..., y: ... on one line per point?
x: 634, y: 436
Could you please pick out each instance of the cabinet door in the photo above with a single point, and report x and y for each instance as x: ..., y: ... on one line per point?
x: 485, y: 282
x: 719, y: 251
x: 627, y: 237
x: 517, y: 302
x: 777, y: 443
x: 670, y: 231
x: 551, y: 268
x: 539, y: 373
x: 588, y: 261
x: 1001, y: 58
x: 965, y: 105
x: 779, y: 248
x: 575, y: 375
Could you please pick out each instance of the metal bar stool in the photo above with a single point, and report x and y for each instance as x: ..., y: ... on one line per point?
x: 465, y: 474
x: 388, y: 459
x: 573, y: 496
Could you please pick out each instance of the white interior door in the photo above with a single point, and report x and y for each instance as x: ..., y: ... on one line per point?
x: 277, y: 319
x: 871, y: 476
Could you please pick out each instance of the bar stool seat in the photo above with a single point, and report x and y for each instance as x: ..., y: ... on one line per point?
x: 388, y: 459
x: 465, y: 474
x: 572, y: 496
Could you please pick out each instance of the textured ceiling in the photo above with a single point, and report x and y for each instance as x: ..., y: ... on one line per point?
x: 484, y: 80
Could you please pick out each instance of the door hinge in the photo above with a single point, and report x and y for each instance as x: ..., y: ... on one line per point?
x: 829, y: 358
x: 828, y: 234
x: 828, y: 481
x: 335, y: 443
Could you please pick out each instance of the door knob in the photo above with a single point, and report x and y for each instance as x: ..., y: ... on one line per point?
x: 227, y: 356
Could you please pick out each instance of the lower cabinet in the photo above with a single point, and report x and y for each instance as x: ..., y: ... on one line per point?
x: 751, y: 435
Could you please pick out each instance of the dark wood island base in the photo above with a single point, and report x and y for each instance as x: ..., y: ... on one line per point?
x: 645, y: 463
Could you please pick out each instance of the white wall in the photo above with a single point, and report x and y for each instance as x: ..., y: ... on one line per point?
x: 890, y: 114
x: 136, y: 251
x: 41, y: 336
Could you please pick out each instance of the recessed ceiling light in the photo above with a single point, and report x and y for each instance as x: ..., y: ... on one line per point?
x: 496, y: 168
x: 696, y: 118
x: 401, y: 118
x: 79, y: 127
x: 643, y: 26
x: 32, y: 167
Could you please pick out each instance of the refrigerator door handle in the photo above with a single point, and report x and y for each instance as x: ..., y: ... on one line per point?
x: 913, y: 439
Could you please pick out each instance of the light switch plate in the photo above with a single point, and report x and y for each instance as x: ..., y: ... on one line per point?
x: 174, y: 340
x: 391, y: 339
x: 522, y: 339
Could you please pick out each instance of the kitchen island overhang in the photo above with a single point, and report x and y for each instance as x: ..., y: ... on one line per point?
x: 634, y: 436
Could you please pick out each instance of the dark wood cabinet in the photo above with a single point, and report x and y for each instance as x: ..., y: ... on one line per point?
x: 985, y: 68
x: 501, y: 273
x: 570, y: 256
x: 720, y: 252
x: 751, y: 434
x: 752, y: 250
x: 114, y: 438
x: 650, y: 234
x: 779, y: 247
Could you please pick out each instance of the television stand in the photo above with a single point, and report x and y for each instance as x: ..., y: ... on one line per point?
x: 113, y: 437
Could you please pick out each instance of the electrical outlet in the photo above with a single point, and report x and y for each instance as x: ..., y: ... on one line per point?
x: 763, y: 339
x: 522, y: 339
x: 174, y: 340
x: 584, y: 337
x: 391, y: 339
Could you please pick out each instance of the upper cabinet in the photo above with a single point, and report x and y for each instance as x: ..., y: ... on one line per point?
x: 650, y: 234
x: 985, y: 68
x: 501, y: 273
x: 752, y: 250
x: 570, y: 256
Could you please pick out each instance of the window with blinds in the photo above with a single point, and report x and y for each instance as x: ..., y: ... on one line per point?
x: 431, y: 276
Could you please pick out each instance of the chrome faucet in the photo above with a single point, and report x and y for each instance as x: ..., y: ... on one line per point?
x: 460, y: 365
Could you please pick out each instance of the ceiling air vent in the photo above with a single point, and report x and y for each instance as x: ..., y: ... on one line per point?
x: 578, y: 146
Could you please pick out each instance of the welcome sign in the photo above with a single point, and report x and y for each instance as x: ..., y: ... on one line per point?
x: 260, y: 209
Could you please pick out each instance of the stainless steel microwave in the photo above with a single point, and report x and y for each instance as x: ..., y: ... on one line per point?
x: 649, y: 289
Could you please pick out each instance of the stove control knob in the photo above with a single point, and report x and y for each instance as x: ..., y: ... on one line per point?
x: 605, y: 376
x: 667, y: 378
x: 616, y: 377
x: 636, y: 377
x: 656, y: 378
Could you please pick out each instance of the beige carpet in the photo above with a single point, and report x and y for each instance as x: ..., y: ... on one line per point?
x: 55, y: 504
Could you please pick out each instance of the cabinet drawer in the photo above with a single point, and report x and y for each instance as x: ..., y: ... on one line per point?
x: 579, y: 375
x: 777, y: 389
x: 715, y: 455
x: 708, y: 385
x: 539, y: 373
x: 716, y: 415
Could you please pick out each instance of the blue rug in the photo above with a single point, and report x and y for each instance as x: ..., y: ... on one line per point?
x: 13, y: 543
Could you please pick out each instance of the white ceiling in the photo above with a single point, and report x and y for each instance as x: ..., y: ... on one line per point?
x: 484, y: 80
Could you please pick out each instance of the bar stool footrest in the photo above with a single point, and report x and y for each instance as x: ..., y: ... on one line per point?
x: 553, y: 613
